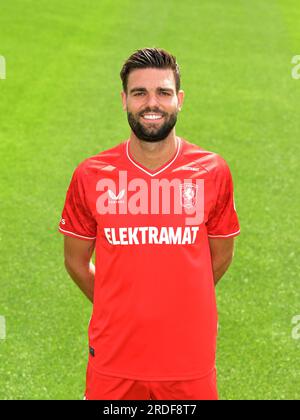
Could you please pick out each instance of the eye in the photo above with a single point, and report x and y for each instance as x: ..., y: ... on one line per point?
x: 165, y: 93
x: 139, y: 94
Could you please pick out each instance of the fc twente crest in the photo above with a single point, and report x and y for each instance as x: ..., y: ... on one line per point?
x: 188, y: 195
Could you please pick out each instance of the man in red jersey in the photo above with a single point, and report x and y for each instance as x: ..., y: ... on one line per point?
x: 159, y: 212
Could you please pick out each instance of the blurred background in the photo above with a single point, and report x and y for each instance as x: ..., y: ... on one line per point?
x: 60, y: 103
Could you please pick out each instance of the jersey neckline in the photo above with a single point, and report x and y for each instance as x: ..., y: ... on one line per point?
x: 161, y: 168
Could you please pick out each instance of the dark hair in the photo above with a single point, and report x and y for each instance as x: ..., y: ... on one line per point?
x: 150, y: 58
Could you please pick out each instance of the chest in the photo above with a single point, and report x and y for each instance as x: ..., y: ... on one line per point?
x: 123, y: 199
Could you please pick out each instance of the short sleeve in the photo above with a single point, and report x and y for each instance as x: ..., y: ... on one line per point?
x: 77, y: 219
x: 223, y: 219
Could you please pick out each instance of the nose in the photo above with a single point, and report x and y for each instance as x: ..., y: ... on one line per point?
x: 152, y: 101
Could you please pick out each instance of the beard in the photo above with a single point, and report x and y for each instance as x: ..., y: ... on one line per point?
x: 153, y: 132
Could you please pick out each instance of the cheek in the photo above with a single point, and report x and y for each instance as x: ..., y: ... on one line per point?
x: 173, y: 109
x: 173, y: 104
x: 135, y: 106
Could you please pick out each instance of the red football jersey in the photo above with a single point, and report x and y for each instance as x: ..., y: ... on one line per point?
x: 154, y: 314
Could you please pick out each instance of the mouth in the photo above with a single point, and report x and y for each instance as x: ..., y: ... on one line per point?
x: 152, y: 117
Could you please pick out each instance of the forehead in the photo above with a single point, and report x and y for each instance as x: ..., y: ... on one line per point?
x: 151, y: 78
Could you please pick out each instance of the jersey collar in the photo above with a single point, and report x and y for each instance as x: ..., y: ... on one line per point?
x: 159, y: 170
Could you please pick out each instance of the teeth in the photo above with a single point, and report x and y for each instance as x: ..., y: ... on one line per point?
x: 152, y: 117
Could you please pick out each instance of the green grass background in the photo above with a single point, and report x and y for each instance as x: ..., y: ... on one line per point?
x: 60, y: 103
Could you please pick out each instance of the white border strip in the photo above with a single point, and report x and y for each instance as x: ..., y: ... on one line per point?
x: 75, y: 234
x: 225, y: 236
x: 163, y: 169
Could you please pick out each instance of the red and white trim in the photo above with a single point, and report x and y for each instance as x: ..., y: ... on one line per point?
x: 163, y: 168
x: 225, y: 236
x: 67, y: 232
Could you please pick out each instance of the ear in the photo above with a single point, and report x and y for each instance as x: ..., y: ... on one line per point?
x: 124, y: 100
x: 180, y: 96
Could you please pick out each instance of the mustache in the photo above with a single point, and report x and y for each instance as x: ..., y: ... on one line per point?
x: 154, y: 111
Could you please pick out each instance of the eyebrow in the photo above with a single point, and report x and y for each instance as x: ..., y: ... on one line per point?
x: 142, y: 89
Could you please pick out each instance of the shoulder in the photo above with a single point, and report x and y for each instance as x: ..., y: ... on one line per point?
x: 211, y: 161
x: 105, y: 160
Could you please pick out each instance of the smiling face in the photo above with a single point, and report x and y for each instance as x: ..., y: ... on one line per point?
x: 151, y: 103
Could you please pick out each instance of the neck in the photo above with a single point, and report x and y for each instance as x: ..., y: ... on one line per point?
x: 153, y: 155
